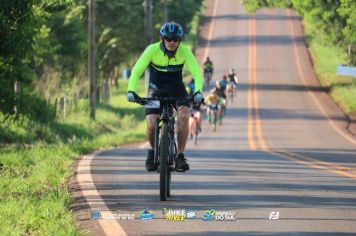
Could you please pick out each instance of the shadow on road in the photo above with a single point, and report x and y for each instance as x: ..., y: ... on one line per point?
x: 261, y: 17
x: 213, y: 233
x: 221, y: 180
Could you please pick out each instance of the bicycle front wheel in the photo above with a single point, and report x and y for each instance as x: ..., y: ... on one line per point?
x: 163, y: 162
x: 156, y: 147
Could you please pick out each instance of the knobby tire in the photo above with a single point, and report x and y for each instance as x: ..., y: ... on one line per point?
x: 156, y: 147
x: 163, y: 160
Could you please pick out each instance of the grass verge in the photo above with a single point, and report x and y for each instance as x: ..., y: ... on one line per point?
x: 36, y: 165
x: 326, y: 58
x: 36, y: 159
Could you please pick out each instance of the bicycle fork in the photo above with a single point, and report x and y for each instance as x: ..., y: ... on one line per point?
x: 172, y: 143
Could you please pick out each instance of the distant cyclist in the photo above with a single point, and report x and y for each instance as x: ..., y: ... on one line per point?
x: 195, y: 114
x: 232, y: 80
x: 165, y: 60
x: 208, y: 70
x: 213, y: 102
x: 224, y: 84
x: 220, y: 87
x: 194, y: 107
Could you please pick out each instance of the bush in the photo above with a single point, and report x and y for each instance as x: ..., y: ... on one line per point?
x: 36, y: 108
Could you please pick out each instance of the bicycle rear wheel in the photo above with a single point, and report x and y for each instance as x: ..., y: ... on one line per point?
x: 207, y: 79
x: 163, y: 162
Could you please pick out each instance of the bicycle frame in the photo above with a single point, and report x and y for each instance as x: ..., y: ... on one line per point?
x: 168, y: 117
x: 165, y: 145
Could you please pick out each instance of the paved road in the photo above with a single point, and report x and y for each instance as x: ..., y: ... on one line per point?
x: 283, y: 147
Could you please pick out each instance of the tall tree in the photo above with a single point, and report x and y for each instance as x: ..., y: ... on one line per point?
x: 17, y: 30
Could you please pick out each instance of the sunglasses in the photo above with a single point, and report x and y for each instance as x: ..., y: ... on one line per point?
x: 171, y: 39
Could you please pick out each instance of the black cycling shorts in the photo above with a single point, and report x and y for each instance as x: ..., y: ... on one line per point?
x: 178, y: 91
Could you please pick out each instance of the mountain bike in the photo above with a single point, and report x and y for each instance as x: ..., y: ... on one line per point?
x: 165, y: 149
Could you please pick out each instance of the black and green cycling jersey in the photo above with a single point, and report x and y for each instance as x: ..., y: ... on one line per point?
x: 208, y: 66
x: 166, y: 72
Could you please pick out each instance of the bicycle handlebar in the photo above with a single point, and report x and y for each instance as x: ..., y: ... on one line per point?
x: 146, y: 100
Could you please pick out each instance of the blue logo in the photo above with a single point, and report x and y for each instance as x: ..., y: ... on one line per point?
x: 146, y: 215
x: 209, y: 215
x: 95, y: 215
x: 191, y: 214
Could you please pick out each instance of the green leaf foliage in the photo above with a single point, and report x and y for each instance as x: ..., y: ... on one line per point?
x: 44, y: 44
x: 17, y: 30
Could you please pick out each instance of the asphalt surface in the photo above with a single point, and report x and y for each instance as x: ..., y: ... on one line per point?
x: 283, y: 147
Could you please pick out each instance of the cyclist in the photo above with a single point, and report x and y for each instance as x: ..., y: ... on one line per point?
x: 165, y: 60
x: 195, y: 113
x: 194, y: 108
x: 220, y: 87
x: 232, y: 80
x: 224, y: 84
x: 213, y: 100
x: 208, y: 68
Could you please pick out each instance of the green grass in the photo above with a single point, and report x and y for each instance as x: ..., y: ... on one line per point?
x: 36, y: 159
x: 33, y: 200
x: 346, y: 97
x: 326, y: 58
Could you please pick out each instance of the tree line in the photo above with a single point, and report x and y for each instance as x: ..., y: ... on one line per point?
x: 44, y: 48
x: 335, y: 20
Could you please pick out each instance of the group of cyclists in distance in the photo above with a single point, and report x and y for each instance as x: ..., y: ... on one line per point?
x: 216, y: 101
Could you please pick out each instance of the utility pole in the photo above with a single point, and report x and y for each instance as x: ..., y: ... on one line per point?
x: 148, y: 21
x: 165, y: 10
x: 17, y: 91
x: 148, y: 33
x: 91, y: 59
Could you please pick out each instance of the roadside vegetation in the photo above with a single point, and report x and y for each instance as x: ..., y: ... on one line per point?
x: 330, y: 34
x: 36, y: 163
x: 326, y: 57
x: 44, y: 107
